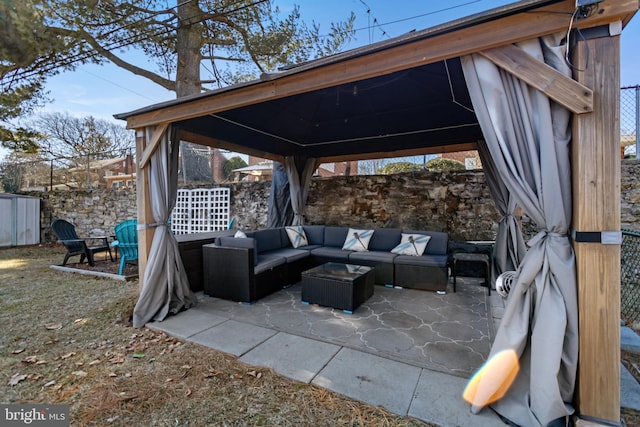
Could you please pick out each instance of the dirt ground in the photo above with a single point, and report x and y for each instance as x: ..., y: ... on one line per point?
x: 66, y: 338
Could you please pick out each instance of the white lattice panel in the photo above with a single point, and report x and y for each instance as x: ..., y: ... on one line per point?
x: 199, y: 210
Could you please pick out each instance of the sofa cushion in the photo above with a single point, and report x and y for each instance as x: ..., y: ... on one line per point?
x: 315, y: 234
x: 336, y: 254
x: 335, y: 236
x: 357, y: 240
x: 439, y: 243
x: 267, y: 239
x: 412, y: 244
x: 384, y: 239
x: 290, y: 254
x: 297, y: 236
x: 267, y: 262
x: 246, y: 243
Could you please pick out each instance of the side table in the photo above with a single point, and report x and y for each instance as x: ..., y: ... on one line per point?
x: 341, y: 286
x: 473, y: 258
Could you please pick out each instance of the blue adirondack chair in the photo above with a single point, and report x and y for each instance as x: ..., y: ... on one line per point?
x: 127, y: 238
x: 66, y: 234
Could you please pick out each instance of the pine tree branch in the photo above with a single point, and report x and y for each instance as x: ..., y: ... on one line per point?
x: 222, y: 58
x: 164, y: 82
x: 245, y: 37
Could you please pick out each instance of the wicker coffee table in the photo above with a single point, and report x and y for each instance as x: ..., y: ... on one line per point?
x: 341, y: 286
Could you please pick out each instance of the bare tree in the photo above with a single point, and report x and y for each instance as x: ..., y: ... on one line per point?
x: 77, y: 142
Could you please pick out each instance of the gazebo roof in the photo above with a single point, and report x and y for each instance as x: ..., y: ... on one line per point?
x: 402, y: 96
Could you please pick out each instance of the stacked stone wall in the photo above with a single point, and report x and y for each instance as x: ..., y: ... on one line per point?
x: 458, y: 203
x: 93, y: 212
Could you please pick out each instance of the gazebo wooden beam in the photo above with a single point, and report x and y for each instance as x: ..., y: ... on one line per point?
x: 400, y: 153
x: 596, y: 208
x: 208, y: 141
x: 145, y: 216
x: 564, y: 90
x: 152, y: 144
x: 441, y: 46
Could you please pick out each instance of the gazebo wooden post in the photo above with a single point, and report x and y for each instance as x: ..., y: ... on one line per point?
x: 145, y: 236
x: 596, y: 208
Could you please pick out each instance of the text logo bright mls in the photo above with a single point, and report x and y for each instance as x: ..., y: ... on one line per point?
x: 34, y: 415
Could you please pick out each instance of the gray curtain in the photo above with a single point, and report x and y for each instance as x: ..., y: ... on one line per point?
x: 528, y: 137
x: 279, y: 211
x: 165, y: 286
x: 509, y: 248
x: 299, y: 182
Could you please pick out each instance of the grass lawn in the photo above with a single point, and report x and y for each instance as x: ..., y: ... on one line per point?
x: 66, y: 338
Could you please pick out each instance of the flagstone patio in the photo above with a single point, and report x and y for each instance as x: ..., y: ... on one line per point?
x: 419, y: 345
x: 450, y: 333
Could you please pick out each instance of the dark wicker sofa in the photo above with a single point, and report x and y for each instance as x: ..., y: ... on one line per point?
x: 247, y: 269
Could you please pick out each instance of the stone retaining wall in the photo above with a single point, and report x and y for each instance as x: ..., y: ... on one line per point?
x: 630, y: 192
x: 93, y: 212
x: 456, y: 202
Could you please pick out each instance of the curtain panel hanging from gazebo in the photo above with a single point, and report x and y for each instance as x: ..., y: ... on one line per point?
x: 280, y: 212
x: 299, y: 182
x: 528, y: 137
x: 165, y: 285
x: 509, y: 248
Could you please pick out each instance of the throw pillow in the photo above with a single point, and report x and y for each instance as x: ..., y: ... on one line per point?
x: 412, y: 244
x: 240, y: 234
x: 297, y: 236
x: 357, y: 240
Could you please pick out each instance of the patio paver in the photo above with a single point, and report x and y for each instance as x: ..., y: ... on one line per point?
x: 370, y: 379
x: 438, y: 400
x: 187, y: 323
x: 292, y: 356
x: 233, y: 337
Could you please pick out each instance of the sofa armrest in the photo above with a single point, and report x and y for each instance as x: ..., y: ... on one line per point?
x: 228, y: 272
x: 243, y: 242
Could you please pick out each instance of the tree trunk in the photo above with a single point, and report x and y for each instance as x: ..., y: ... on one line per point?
x: 188, y: 45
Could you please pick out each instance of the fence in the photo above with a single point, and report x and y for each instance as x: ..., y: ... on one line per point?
x: 630, y: 119
x: 630, y: 276
x: 201, y: 210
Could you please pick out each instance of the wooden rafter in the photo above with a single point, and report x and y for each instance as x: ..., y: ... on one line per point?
x: 153, y: 144
x: 564, y: 90
x: 401, y: 153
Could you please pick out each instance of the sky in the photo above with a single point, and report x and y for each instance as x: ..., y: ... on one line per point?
x: 102, y: 91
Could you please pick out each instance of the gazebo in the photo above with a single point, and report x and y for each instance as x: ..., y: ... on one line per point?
x: 534, y: 86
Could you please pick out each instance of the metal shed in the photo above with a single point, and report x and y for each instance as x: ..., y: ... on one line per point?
x: 19, y: 220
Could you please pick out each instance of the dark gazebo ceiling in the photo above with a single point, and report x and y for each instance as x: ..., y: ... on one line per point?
x: 427, y: 106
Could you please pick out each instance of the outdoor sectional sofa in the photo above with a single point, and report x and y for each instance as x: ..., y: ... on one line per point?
x: 249, y: 268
